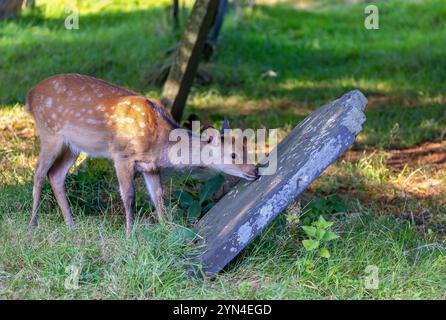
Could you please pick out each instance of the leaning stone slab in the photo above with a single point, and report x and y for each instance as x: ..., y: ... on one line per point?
x: 301, y: 157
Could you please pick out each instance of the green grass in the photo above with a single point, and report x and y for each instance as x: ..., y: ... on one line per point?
x: 318, y: 55
x: 394, y: 220
x: 36, y: 264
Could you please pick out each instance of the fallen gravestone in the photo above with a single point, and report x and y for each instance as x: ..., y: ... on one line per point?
x: 301, y: 157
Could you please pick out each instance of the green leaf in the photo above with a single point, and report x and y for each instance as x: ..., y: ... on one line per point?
x: 293, y: 219
x: 320, y: 234
x: 318, y: 204
x: 182, y: 234
x: 329, y: 235
x: 194, y: 211
x: 149, y: 235
x: 211, y: 187
x: 324, y: 253
x: 306, y: 220
x: 310, y: 231
x: 339, y: 207
x: 310, y: 245
x: 184, y: 198
x: 321, y: 223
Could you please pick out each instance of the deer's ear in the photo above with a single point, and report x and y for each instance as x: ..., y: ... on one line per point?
x: 225, y: 125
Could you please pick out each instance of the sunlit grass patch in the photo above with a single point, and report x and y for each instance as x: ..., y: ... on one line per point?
x: 273, y: 66
x: 153, y: 264
x: 17, y: 145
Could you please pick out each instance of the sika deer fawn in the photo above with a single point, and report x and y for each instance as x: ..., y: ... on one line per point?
x: 76, y: 113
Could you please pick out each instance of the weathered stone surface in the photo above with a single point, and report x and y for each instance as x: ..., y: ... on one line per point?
x: 302, y: 156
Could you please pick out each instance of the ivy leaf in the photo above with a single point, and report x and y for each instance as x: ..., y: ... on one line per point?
x: 194, y: 211
x: 210, y: 187
x: 310, y: 245
x: 324, y: 253
x: 182, y: 235
x: 184, y: 198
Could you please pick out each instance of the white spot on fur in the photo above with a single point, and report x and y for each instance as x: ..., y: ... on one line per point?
x: 93, y: 121
x: 125, y: 120
x: 49, y: 102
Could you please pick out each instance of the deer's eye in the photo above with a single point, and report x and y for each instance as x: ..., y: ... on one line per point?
x: 233, y: 156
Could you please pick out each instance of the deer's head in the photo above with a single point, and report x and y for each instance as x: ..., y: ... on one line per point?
x: 229, y: 152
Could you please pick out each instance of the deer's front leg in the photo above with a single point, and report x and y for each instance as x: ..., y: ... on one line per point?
x: 125, y: 173
x: 153, y: 184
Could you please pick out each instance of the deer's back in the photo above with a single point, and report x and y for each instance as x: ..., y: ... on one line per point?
x: 96, y: 117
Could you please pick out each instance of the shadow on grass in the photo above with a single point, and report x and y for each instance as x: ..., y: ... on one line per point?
x: 116, y: 46
x: 317, y: 55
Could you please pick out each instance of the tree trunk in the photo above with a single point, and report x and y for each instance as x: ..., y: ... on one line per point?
x: 10, y: 8
x: 186, y: 57
x: 175, y: 14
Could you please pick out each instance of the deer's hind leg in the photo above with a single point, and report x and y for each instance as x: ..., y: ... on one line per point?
x: 50, y: 150
x: 56, y: 175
